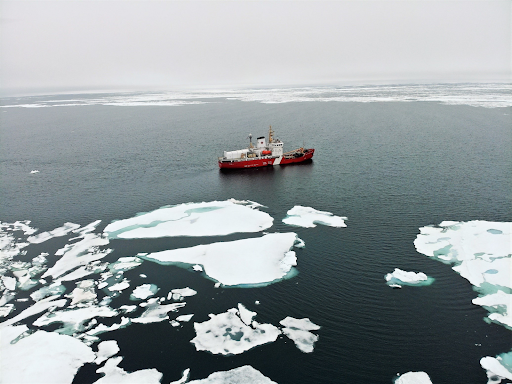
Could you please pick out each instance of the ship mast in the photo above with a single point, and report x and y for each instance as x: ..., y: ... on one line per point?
x: 270, y: 135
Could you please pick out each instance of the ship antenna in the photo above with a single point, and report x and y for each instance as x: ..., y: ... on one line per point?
x: 270, y: 135
x: 250, y: 141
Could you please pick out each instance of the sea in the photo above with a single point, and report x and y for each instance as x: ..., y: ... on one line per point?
x: 389, y: 158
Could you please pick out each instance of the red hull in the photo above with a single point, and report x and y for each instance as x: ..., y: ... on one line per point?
x: 265, y: 162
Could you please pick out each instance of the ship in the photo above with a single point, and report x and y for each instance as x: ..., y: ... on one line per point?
x: 264, y: 154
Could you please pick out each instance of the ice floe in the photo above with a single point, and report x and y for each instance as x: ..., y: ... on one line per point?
x: 180, y: 293
x: 34, y: 309
x: 57, y: 232
x: 227, y: 334
x: 241, y: 375
x: 144, y: 291
x: 156, y: 312
x: 106, y: 349
x: 114, y: 374
x: 413, y: 378
x: 214, y: 218
x: 41, y: 357
x: 400, y: 277
x: 308, y: 217
x: 184, y: 318
x: 498, y: 368
x: 298, y: 331
x: 259, y: 260
x: 34, y: 171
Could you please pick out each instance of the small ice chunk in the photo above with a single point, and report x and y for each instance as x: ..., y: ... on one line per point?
x: 144, y: 291
x: 121, y: 286
x: 73, y: 320
x: 413, y: 378
x: 6, y: 309
x: 101, y: 328
x: 175, y: 323
x: 241, y: 375
x: 307, y: 217
x: 400, y: 277
x: 9, y: 282
x: 255, y: 261
x: 156, y: 312
x: 114, y: 374
x: 34, y: 171
x: 143, y: 276
x: 197, y: 268
x: 180, y: 293
x: 57, y: 232
x: 41, y: 357
x: 184, y: 318
x: 298, y: 331
x: 184, y: 377
x: 216, y: 218
x: 127, y: 308
x: 106, y: 349
x: 257, y: 302
x: 227, y: 334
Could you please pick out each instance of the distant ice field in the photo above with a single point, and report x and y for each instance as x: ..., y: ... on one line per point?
x: 477, y: 95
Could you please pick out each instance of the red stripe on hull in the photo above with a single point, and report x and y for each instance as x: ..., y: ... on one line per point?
x: 240, y: 164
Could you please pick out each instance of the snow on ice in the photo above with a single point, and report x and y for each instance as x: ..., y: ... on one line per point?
x: 400, y: 277
x: 242, y: 375
x: 298, y: 331
x: 307, y: 217
x: 260, y: 260
x: 214, y: 218
x: 413, y: 378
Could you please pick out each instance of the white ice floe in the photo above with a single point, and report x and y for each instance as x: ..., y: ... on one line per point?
x: 184, y: 318
x: 184, y: 377
x: 106, y: 349
x: 144, y: 291
x: 115, y: 375
x: 500, y: 303
x: 121, y: 286
x: 400, y: 277
x: 156, y: 312
x: 54, y: 289
x: 81, y: 253
x: 307, y: 217
x: 413, y: 378
x: 101, y: 328
x: 73, y: 320
x: 34, y: 309
x: 34, y: 171
x: 6, y: 309
x: 9, y: 282
x: 214, y: 218
x: 180, y: 293
x: 41, y: 357
x: 84, y: 293
x: 227, y: 334
x: 298, y: 331
x: 57, y: 232
x: 241, y: 375
x: 498, y: 368
x: 259, y: 260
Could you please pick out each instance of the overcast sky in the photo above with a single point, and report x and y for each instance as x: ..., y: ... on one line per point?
x: 168, y: 44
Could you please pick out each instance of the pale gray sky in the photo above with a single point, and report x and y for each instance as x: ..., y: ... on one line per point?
x: 166, y: 44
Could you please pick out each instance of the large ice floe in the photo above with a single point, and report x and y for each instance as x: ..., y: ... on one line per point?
x: 254, y: 261
x: 415, y: 279
x: 308, y: 217
x: 413, y: 378
x: 481, y: 252
x: 235, y: 331
x: 214, y: 218
x: 241, y: 375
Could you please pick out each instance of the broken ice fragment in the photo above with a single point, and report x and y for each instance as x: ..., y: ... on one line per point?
x: 106, y: 349
x: 227, y: 334
x: 413, y: 378
x: 180, y: 293
x: 57, y: 232
x: 241, y: 375
x: 307, y: 217
x: 298, y: 331
x: 400, y: 277
x: 184, y: 318
x: 114, y: 374
x: 144, y: 291
x: 498, y: 368
x: 155, y: 312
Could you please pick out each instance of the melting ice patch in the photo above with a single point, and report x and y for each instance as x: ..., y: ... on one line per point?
x: 400, y: 277
x: 308, y: 217
x: 413, y: 378
x: 299, y: 331
x: 261, y: 260
x: 214, y: 218
x: 233, y: 332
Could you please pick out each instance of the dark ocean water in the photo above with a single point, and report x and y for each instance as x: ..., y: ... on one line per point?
x: 390, y: 167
